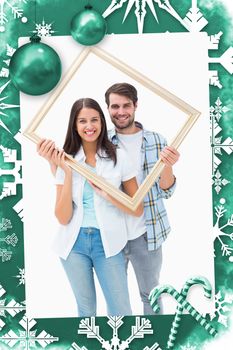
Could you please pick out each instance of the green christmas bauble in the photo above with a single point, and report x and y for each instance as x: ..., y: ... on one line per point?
x: 35, y: 68
x: 88, y: 27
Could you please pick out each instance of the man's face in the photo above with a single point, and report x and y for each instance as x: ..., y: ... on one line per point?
x: 122, y: 111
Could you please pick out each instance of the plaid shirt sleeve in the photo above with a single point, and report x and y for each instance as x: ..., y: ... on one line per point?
x: 157, y: 223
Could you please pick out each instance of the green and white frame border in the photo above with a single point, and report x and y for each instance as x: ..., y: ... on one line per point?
x: 115, y: 333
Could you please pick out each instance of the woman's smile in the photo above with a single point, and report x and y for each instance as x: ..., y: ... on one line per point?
x: 89, y: 132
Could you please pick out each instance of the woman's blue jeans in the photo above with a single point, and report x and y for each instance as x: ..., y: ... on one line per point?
x: 88, y: 254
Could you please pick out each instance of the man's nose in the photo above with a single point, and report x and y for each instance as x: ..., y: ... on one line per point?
x: 121, y: 110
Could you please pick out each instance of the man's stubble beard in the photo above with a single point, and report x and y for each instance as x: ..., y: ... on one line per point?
x: 122, y: 127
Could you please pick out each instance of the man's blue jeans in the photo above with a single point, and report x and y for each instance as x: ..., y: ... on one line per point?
x: 147, y: 267
x: 88, y: 254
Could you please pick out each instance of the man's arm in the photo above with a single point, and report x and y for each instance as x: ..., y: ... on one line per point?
x: 46, y: 149
x: 169, y: 156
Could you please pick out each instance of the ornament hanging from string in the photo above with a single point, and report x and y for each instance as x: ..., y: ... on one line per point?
x: 35, y: 68
x: 88, y: 27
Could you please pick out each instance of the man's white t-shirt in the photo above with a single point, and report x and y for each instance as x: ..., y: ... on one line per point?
x: 131, y: 144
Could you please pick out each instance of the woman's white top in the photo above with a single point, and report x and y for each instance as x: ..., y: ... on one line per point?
x: 111, y: 221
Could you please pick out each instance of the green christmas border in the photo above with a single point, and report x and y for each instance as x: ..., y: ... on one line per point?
x: 18, y: 332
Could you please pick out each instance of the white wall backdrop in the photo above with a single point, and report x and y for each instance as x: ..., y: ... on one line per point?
x: 178, y: 62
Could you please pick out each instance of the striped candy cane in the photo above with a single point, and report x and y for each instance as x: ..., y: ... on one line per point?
x: 157, y: 291
x: 179, y: 310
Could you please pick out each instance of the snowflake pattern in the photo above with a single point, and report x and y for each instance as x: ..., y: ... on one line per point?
x: 218, y: 182
x: 219, y: 230
x: 18, y: 208
x: 221, y: 308
x: 142, y: 327
x: 226, y: 60
x: 4, y: 105
x: 26, y: 338
x: 188, y: 347
x: 5, y: 225
x: 10, y: 156
x: 10, y: 6
x: 194, y: 20
x: 10, y: 239
x: 10, y: 307
x: 4, y: 73
x: 21, y: 276
x: 216, y: 113
x: 43, y: 29
x: 5, y: 254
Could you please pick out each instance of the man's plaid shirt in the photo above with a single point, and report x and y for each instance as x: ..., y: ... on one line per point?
x: 154, y: 210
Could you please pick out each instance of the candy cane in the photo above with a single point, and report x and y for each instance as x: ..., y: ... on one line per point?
x: 179, y: 310
x: 157, y: 291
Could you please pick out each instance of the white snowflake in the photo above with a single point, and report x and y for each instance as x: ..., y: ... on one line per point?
x: 7, y: 6
x: 193, y: 21
x: 216, y: 113
x: 221, y: 307
x: 18, y: 208
x: 21, y: 276
x: 226, y: 59
x: 141, y: 328
x: 4, y: 105
x: 214, y: 78
x: 213, y: 45
x: 5, y: 225
x: 4, y: 73
x: 8, y: 307
x: 188, y: 347
x: 10, y: 156
x: 43, y: 29
x: 214, y: 41
x: 5, y: 254
x: 218, y: 229
x: 11, y: 239
x: 218, y: 181
x: 27, y: 338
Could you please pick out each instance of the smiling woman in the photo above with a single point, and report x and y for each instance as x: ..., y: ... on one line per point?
x: 87, y: 240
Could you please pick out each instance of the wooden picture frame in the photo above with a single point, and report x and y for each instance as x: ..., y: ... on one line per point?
x: 191, y: 113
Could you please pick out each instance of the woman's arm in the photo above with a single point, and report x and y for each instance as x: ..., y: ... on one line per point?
x: 130, y: 187
x: 63, y: 206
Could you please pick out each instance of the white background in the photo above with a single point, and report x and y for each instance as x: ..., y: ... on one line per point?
x: 179, y: 63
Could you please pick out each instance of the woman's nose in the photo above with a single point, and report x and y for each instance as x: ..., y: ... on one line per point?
x: 89, y: 125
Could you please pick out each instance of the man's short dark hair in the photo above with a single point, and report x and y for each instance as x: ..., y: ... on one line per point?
x: 123, y: 89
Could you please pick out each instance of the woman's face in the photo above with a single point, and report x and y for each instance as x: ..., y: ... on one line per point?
x: 88, y: 125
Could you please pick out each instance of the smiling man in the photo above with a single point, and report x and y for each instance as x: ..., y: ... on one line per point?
x: 147, y: 232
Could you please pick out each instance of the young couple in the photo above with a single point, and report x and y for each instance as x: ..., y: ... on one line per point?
x: 97, y: 232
